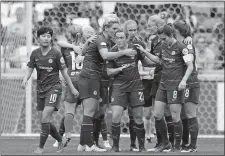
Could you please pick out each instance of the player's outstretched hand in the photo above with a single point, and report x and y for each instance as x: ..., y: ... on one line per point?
x: 125, y: 66
x: 91, y: 39
x: 75, y: 93
x: 188, y: 40
x: 140, y: 48
x: 130, y: 52
x: 182, y: 85
x: 24, y: 84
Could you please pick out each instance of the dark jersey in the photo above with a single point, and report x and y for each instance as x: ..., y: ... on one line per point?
x: 173, y: 65
x: 47, y: 70
x: 193, y: 81
x: 93, y: 62
x: 129, y: 79
x: 74, y: 65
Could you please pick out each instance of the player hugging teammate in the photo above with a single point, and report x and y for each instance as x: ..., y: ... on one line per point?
x: 115, y: 52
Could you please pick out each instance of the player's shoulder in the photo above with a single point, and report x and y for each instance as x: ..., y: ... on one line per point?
x: 36, y: 51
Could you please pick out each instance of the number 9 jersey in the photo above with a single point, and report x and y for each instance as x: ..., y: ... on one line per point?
x: 74, y: 63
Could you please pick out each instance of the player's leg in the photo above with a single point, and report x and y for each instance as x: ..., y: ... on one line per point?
x: 185, y: 137
x: 136, y: 103
x: 160, y: 123
x: 89, y: 90
x: 170, y: 125
x: 132, y: 131
x: 190, y: 107
x: 175, y: 100
x: 118, y: 103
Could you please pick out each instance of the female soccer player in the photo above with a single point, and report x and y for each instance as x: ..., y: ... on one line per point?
x: 48, y: 62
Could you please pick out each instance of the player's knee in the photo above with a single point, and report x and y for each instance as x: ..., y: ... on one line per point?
x: 45, y: 119
x: 175, y: 116
x: 158, y: 116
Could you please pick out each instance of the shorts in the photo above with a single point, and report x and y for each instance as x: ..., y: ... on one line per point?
x: 104, y: 94
x: 170, y: 96
x: 125, y: 99
x: 147, y: 92
x: 155, y: 86
x: 69, y: 97
x: 192, y: 95
x: 52, y: 99
x: 89, y: 88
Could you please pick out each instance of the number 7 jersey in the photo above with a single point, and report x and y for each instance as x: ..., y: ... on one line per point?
x: 74, y: 63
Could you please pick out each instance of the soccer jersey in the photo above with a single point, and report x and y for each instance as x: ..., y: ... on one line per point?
x: 73, y: 64
x: 193, y: 81
x: 93, y: 62
x: 173, y: 65
x: 129, y: 79
x: 47, y: 67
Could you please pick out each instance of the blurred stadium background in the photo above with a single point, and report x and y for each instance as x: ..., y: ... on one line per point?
x: 20, y: 20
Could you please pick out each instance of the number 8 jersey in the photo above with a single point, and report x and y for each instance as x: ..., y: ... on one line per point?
x: 74, y: 63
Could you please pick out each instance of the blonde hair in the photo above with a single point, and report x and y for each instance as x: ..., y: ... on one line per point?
x: 109, y: 20
x: 159, y: 20
x: 128, y: 22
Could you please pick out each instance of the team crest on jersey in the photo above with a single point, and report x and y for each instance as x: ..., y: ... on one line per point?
x: 95, y: 92
x: 62, y: 60
x: 173, y: 52
x: 112, y: 99
x: 100, y: 100
x: 185, y: 51
x: 103, y: 43
x: 189, y: 47
x: 50, y: 60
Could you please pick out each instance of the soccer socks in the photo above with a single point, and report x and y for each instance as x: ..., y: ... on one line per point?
x: 86, y: 135
x: 185, y: 137
x: 132, y: 130
x: 45, y: 130
x: 170, y: 127
x: 140, y: 132
x: 96, y: 130
x: 62, y: 127
x: 68, y: 122
x: 54, y: 133
x: 193, y: 128
x: 161, y: 129
x: 104, y: 129
x: 116, y: 130
x: 147, y: 127
x: 178, y: 129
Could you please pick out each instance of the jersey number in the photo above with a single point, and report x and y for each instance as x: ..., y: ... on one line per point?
x: 174, y: 94
x: 186, y: 94
x: 141, y: 96
x: 74, y: 64
x: 53, y: 98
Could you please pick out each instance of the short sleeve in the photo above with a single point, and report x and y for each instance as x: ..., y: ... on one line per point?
x: 60, y: 61
x: 31, y: 63
x: 101, y: 43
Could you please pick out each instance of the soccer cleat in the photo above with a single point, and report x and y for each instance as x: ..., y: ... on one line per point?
x: 39, y: 150
x: 81, y: 148
x: 148, y: 140
x: 169, y: 149
x: 66, y: 139
x: 163, y: 146
x: 60, y: 147
x: 55, y: 144
x: 189, y: 149
x: 106, y: 144
x: 115, y: 149
x: 184, y: 146
x: 94, y: 148
x: 134, y: 148
x: 142, y: 149
x: 154, y: 148
x: 176, y: 149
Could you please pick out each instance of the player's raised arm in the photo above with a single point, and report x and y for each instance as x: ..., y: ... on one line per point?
x: 88, y: 41
x: 188, y: 59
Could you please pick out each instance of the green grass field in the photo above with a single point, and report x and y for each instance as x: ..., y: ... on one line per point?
x: 26, y: 145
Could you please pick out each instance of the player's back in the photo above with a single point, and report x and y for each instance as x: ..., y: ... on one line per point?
x: 74, y: 63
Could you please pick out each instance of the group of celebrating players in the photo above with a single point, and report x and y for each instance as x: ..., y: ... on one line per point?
x: 115, y: 66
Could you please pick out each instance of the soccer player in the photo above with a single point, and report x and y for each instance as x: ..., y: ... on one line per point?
x: 48, y: 62
x: 127, y: 91
x: 192, y: 91
x: 174, y: 57
x: 90, y: 75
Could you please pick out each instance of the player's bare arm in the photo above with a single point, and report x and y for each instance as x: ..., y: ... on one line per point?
x: 152, y: 57
x: 106, y: 55
x: 65, y: 44
x: 114, y: 71
x: 188, y: 59
x: 29, y: 72
x: 69, y: 82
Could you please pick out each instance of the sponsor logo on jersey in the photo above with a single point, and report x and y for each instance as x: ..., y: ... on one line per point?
x: 185, y: 51
x: 173, y: 52
x: 50, y: 61
x: 103, y: 43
